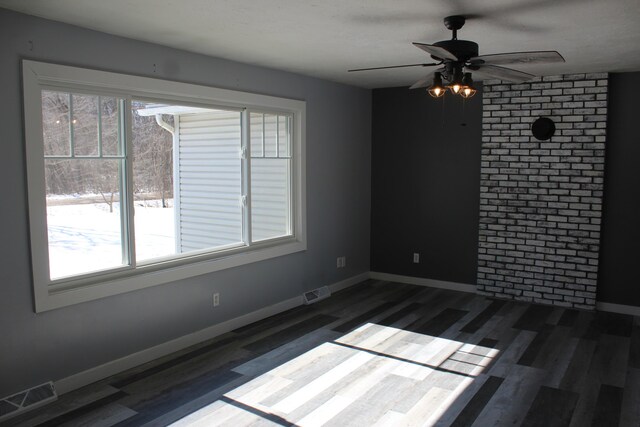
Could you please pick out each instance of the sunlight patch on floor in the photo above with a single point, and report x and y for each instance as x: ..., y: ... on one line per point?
x: 317, y: 386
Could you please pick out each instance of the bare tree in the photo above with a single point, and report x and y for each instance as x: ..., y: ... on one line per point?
x: 88, y: 125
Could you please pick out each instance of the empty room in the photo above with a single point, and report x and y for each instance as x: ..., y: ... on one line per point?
x: 320, y: 213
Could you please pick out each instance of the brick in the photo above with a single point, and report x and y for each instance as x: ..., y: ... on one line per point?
x: 540, y: 204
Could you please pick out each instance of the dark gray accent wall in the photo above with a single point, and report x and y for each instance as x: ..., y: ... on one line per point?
x: 53, y: 345
x: 413, y: 207
x: 620, y: 244
x: 425, y: 180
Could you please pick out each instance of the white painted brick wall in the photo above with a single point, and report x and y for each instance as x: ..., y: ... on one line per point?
x: 541, y: 201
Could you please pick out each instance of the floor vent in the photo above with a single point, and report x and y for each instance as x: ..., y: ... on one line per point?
x: 27, y: 400
x: 316, y: 295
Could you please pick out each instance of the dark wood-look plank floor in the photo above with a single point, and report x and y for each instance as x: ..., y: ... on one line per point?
x: 383, y: 354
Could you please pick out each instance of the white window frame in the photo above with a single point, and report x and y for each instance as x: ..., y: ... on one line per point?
x: 48, y: 295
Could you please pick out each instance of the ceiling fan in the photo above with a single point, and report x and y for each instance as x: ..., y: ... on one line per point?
x: 459, y: 58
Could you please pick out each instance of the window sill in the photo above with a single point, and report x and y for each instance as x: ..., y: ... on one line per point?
x: 66, y: 294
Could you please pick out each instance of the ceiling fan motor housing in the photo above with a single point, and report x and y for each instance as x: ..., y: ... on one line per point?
x: 462, y: 49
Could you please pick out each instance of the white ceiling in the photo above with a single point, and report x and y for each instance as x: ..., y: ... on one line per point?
x: 324, y: 38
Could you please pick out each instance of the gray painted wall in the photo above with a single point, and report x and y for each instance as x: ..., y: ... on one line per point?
x: 59, y: 343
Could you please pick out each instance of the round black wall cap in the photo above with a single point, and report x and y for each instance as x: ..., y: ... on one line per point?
x: 543, y: 128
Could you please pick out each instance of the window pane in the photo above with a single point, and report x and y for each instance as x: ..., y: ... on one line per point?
x: 256, y: 135
x: 283, y: 137
x: 83, y: 216
x: 197, y: 205
x: 55, y: 123
x: 84, y: 124
x: 270, y: 136
x: 109, y: 114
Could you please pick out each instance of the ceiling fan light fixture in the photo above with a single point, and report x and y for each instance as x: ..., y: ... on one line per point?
x: 467, y: 86
x: 437, y: 89
x: 468, y: 92
x: 457, y: 83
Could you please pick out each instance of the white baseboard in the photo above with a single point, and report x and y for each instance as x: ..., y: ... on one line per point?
x: 420, y: 281
x: 113, y: 367
x: 601, y: 306
x: 618, y: 308
x: 343, y: 284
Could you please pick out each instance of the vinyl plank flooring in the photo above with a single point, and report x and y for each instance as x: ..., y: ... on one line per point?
x: 160, y: 404
x: 286, y: 352
x: 552, y: 407
x: 477, y: 403
x: 108, y: 415
x: 381, y: 354
x: 510, y: 403
x: 583, y: 412
x: 482, y: 318
x: 301, y: 372
x: 555, y: 316
x: 399, y: 314
x: 608, y: 367
x: 534, y: 318
x: 370, y: 408
x: 630, y: 410
x: 297, y: 330
x: 511, y: 354
x: 427, y: 409
x: 293, y: 315
x: 363, y: 318
x: 183, y: 372
x: 171, y: 363
x: 83, y: 411
x: 557, y: 359
x: 610, y: 360
x: 568, y: 318
x: 441, y: 322
x: 535, y: 346
x: 608, y: 405
x: 351, y: 387
x: 407, y: 294
x: 574, y: 376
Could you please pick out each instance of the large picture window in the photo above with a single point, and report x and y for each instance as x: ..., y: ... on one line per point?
x: 135, y: 181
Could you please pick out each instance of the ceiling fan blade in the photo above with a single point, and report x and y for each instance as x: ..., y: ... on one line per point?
x: 501, y: 73
x: 436, y: 51
x: 396, y: 66
x: 426, y: 80
x: 534, y: 57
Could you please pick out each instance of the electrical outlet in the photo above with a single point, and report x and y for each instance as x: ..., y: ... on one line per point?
x: 344, y: 261
x: 416, y: 258
x: 338, y: 262
x: 216, y: 299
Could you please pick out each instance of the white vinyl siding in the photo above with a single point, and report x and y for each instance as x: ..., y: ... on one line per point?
x: 269, y: 198
x: 209, y: 180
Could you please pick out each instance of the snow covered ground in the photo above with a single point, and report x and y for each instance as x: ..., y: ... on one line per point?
x: 86, y: 237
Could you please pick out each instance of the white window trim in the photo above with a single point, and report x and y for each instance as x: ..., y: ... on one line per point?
x: 38, y: 76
